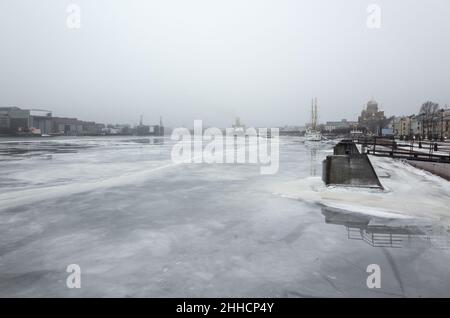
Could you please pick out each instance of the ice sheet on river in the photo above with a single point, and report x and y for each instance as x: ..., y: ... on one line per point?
x: 140, y: 226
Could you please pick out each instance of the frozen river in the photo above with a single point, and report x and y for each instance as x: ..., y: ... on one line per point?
x: 140, y: 226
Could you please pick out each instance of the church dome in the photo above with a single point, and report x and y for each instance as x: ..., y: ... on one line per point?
x: 372, y: 106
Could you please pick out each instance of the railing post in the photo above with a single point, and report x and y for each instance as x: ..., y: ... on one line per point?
x: 374, y: 145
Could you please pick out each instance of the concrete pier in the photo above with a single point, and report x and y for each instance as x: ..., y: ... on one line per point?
x: 345, y: 147
x: 348, y: 167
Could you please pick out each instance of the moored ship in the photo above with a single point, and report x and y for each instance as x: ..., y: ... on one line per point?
x: 312, y: 133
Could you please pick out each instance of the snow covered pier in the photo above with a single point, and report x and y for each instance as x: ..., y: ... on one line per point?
x: 348, y: 167
x: 436, y: 162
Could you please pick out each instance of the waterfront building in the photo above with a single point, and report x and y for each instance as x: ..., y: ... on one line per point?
x: 40, y: 121
x: 92, y: 128
x: 14, y: 120
x: 150, y: 130
x: 402, y: 127
x: 291, y: 130
x: 446, y: 124
x: 157, y: 130
x: 372, y: 119
x: 75, y: 127
x: 344, y: 124
x: 67, y: 126
x: 111, y: 130
x: 415, y: 126
x: 17, y: 121
x: 4, y: 120
x: 141, y: 129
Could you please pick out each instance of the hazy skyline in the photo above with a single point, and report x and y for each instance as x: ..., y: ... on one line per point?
x: 214, y: 60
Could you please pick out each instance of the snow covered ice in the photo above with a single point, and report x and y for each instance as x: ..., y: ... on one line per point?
x: 139, y: 225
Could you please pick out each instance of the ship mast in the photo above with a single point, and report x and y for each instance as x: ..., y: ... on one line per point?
x: 314, y: 113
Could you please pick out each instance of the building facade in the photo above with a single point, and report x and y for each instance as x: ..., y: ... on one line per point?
x: 371, y: 118
x: 344, y: 124
x: 41, y: 122
x: 402, y: 127
x: 75, y: 127
x: 434, y: 126
x: 415, y: 126
x: 17, y: 121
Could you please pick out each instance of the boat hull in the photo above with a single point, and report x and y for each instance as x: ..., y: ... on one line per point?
x: 313, y: 136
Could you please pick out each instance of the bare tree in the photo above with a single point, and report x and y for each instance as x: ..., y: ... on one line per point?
x: 428, y: 111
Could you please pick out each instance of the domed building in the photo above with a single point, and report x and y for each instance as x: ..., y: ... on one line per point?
x: 372, y: 106
x: 371, y: 118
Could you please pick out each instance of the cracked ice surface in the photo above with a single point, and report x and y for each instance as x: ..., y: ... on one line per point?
x: 141, y: 226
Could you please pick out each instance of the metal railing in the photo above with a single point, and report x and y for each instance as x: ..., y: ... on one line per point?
x: 385, y: 147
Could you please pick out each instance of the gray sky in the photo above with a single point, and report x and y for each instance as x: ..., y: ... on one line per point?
x: 262, y: 60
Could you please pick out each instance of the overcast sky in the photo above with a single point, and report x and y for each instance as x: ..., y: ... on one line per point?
x: 262, y: 60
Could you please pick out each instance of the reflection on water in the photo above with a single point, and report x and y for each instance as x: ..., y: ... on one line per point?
x: 313, y: 162
x: 318, y: 151
x: 314, y: 149
x: 382, y: 232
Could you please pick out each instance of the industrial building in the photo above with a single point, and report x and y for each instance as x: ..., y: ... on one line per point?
x: 150, y: 130
x: 38, y: 122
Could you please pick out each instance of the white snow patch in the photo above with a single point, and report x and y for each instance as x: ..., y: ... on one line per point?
x: 409, y: 193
